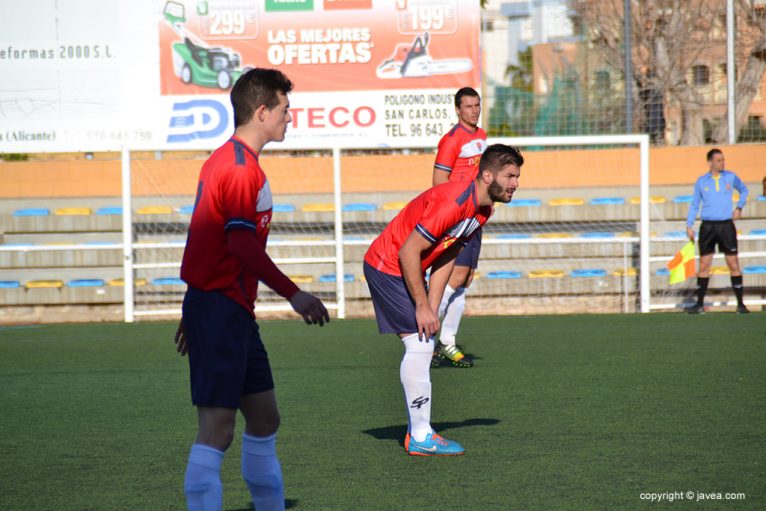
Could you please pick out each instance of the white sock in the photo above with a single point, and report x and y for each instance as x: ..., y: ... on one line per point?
x: 202, y: 483
x: 416, y: 381
x: 446, y: 299
x: 453, y: 312
x: 262, y: 472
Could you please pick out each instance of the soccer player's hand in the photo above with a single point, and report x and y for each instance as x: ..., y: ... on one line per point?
x: 736, y: 214
x: 180, y: 339
x: 427, y: 320
x: 690, y: 233
x: 310, y: 307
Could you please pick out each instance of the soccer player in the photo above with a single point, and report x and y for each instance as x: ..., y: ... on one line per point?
x: 428, y: 233
x: 224, y: 259
x: 457, y: 159
x: 714, y: 191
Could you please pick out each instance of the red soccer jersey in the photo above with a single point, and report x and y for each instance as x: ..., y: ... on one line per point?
x: 232, y: 193
x: 460, y: 151
x: 444, y: 214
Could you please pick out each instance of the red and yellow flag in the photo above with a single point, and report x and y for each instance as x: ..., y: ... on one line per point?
x: 682, y: 266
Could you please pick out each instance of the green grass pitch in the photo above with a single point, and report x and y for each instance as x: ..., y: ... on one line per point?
x: 560, y: 412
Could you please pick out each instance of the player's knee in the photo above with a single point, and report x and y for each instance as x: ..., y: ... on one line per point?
x: 263, y: 424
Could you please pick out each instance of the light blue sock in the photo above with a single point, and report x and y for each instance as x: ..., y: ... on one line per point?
x: 262, y: 472
x: 202, y: 484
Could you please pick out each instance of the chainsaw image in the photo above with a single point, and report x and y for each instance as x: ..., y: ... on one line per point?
x: 413, y: 61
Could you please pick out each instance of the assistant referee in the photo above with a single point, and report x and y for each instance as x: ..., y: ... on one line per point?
x: 714, y: 192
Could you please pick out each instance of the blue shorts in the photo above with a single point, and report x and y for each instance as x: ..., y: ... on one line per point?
x: 469, y: 256
x: 227, y: 359
x: 394, y: 307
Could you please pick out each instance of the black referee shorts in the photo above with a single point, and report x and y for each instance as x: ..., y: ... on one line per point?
x: 718, y: 232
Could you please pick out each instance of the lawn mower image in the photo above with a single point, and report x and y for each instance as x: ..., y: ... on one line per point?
x: 413, y: 61
x: 194, y: 61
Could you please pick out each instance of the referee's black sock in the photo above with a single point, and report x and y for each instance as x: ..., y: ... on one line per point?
x: 736, y: 285
x: 701, y: 289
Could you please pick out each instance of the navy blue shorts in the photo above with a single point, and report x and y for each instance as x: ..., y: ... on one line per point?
x: 469, y: 256
x: 227, y: 359
x: 394, y: 307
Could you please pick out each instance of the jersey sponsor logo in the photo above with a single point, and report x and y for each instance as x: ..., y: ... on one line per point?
x: 419, y: 401
x: 448, y: 242
x: 197, y: 119
x: 473, y: 148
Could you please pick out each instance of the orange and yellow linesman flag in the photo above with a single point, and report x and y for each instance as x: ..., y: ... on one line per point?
x: 682, y: 265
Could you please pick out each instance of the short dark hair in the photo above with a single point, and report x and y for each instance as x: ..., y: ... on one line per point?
x: 712, y: 153
x: 255, y: 88
x: 499, y: 156
x: 465, y: 91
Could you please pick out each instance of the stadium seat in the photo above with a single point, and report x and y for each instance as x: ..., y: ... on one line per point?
x: 566, y: 201
x: 37, y: 284
x: 330, y: 277
x: 662, y: 272
x: 320, y: 207
x: 283, y: 208
x: 719, y: 270
x: 513, y: 236
x: 654, y: 199
x: 85, y: 283
x: 503, y: 274
x: 683, y: 199
x: 545, y: 274
x: 186, y: 210
x: 9, y: 284
x: 630, y: 272
x: 592, y: 272
x: 359, y: 206
x: 168, y: 281
x: 761, y: 198
x: 109, y: 210
x: 674, y: 234
x: 394, y: 206
x: 97, y: 243
x: 750, y: 270
x: 121, y: 282
x: 596, y: 234
x: 758, y: 232
x: 554, y: 235
x: 301, y: 279
x: 73, y: 211
x: 155, y: 210
x: 32, y: 212
x: 606, y: 201
x: 519, y: 203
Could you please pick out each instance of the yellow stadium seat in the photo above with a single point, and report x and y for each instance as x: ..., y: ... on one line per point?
x: 719, y: 270
x: 654, y: 199
x: 566, y: 201
x: 627, y: 234
x: 621, y: 273
x: 121, y: 282
x: 545, y: 274
x: 301, y: 279
x: 319, y: 207
x: 554, y: 235
x: 155, y: 210
x: 73, y: 211
x: 394, y: 206
x: 38, y: 284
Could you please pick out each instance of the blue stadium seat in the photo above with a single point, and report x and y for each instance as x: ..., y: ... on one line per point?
x: 32, y: 212
x: 663, y: 272
x: 186, y: 210
x: 283, y: 208
x: 758, y: 232
x: 513, y: 236
x: 602, y: 201
x: 85, y: 283
x: 168, y: 281
x: 330, y: 277
x: 683, y: 199
x: 518, y: 203
x: 109, y: 210
x: 761, y: 198
x: 754, y: 269
x: 593, y: 272
x: 674, y: 234
x: 359, y: 206
x: 504, y: 274
x: 9, y: 284
x: 597, y: 234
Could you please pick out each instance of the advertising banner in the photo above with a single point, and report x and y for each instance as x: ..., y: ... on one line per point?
x: 93, y: 75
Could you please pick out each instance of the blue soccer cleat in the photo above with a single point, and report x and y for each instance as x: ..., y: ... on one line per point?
x: 433, y: 445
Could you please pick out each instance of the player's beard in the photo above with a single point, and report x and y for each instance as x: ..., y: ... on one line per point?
x: 497, y: 193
